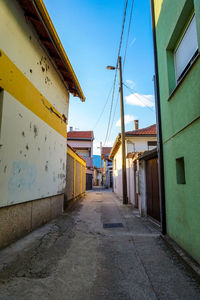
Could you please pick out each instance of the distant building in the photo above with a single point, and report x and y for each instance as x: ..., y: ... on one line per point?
x: 96, y: 176
x: 177, y: 32
x: 97, y: 170
x: 107, y: 167
x: 36, y: 78
x: 82, y: 142
x: 135, y: 141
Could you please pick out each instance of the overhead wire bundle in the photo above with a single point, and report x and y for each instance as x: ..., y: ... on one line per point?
x: 112, y: 116
x: 115, y: 77
x: 127, y: 39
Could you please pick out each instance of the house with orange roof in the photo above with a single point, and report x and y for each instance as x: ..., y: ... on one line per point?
x: 136, y: 141
x: 82, y: 143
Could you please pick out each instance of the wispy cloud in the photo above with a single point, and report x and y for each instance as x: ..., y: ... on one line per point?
x: 131, y: 83
x: 132, y: 42
x: 140, y: 100
x: 127, y: 119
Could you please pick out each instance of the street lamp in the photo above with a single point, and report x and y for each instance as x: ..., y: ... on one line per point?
x: 124, y: 182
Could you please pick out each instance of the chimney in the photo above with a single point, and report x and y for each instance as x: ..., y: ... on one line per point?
x: 70, y: 128
x: 136, y: 124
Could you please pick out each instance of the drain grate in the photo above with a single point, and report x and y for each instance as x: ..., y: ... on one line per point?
x: 112, y: 225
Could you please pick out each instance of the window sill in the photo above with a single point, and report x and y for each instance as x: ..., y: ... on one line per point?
x: 183, y: 77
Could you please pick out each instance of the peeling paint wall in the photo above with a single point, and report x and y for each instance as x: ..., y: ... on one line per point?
x: 32, y: 152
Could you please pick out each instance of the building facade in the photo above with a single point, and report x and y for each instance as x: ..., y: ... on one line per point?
x: 82, y: 143
x: 36, y: 79
x: 177, y: 32
x: 135, y: 141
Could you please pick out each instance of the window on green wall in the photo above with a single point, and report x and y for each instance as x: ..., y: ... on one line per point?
x: 182, y: 47
x: 180, y: 170
x: 186, y: 50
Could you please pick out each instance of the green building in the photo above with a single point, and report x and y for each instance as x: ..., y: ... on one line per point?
x: 177, y: 40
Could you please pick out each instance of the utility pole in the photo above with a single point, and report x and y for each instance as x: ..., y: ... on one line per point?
x: 124, y: 182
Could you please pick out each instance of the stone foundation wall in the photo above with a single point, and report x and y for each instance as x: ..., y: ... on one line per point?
x: 18, y: 220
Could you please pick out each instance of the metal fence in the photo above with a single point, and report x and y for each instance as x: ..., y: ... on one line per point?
x: 76, y: 175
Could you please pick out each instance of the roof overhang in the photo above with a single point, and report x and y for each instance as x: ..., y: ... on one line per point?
x: 146, y: 155
x: 115, y: 147
x: 79, y: 139
x: 36, y: 13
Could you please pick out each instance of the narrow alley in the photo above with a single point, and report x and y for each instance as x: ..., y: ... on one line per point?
x: 99, y: 249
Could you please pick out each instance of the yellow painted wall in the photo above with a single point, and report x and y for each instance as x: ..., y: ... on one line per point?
x: 76, y: 175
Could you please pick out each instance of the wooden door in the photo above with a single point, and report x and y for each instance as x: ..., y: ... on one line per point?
x: 153, y: 201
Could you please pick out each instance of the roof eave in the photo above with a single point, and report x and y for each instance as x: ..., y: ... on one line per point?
x: 80, y: 139
x: 54, y: 41
x: 115, y: 147
x: 140, y: 135
x: 45, y: 16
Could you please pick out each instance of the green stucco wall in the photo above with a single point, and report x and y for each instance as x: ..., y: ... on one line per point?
x: 180, y: 116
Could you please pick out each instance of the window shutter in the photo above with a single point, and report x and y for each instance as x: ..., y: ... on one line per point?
x: 186, y: 48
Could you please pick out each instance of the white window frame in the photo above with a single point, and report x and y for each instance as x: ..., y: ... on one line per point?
x: 179, y: 76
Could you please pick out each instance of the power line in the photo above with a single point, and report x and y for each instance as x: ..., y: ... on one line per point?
x: 120, y: 44
x: 103, y: 108
x: 129, y: 26
x: 113, y: 116
x: 131, y: 90
x: 111, y: 107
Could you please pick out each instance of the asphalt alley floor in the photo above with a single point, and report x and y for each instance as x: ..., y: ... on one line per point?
x: 77, y: 256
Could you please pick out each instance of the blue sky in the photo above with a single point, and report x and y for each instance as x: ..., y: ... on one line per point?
x: 90, y: 33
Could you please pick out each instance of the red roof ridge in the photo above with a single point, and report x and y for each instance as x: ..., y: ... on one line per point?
x: 146, y: 130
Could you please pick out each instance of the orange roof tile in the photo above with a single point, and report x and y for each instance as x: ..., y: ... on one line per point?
x: 143, y: 131
x: 85, y: 135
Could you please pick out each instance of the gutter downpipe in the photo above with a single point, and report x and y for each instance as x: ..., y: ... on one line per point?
x: 159, y: 129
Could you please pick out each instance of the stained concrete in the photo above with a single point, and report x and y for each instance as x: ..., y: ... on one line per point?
x: 18, y: 220
x: 74, y: 257
x: 14, y: 223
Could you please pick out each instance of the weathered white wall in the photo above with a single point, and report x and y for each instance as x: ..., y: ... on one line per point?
x: 33, y: 154
x: 21, y: 44
x: 117, y: 172
x: 139, y: 143
x: 130, y: 180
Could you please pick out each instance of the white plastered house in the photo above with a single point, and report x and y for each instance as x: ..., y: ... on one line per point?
x: 136, y: 141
